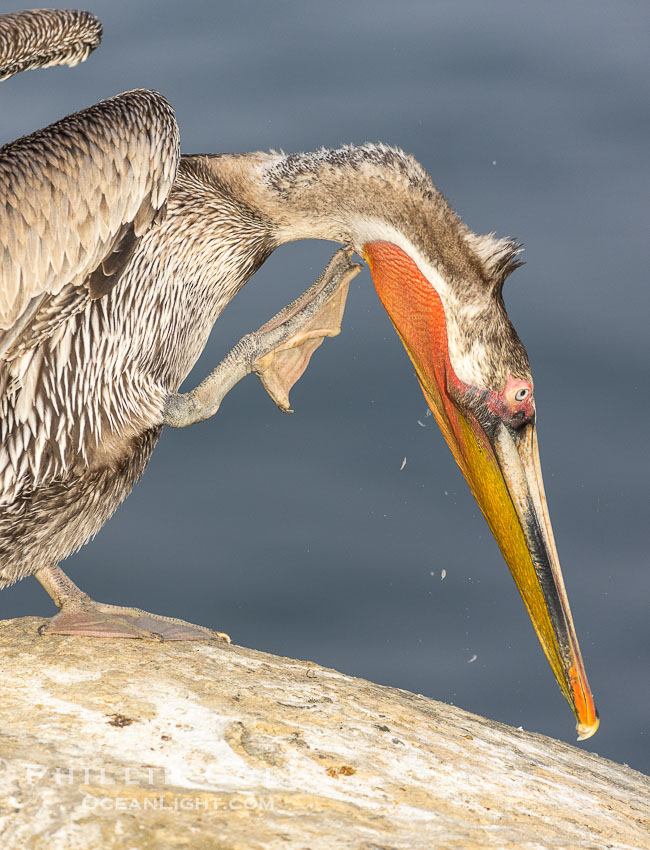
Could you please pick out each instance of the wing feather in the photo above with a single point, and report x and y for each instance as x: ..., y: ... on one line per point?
x: 68, y: 192
x: 40, y: 38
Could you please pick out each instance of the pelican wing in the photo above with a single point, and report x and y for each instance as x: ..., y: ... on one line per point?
x: 41, y: 38
x: 76, y: 196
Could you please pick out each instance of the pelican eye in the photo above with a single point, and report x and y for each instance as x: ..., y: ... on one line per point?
x: 522, y: 394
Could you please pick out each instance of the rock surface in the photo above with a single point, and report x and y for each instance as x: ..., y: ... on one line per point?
x: 129, y: 744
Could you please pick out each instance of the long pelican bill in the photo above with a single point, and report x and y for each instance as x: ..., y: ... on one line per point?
x: 500, y: 465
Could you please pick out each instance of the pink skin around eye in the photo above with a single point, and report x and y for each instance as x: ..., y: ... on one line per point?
x: 505, y: 405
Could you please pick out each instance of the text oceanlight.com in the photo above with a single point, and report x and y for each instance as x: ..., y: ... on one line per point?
x: 176, y: 803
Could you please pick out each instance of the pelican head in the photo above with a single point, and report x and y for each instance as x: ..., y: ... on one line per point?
x: 475, y: 375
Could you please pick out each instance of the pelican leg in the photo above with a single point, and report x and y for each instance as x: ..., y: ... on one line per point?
x: 278, y: 352
x: 81, y: 615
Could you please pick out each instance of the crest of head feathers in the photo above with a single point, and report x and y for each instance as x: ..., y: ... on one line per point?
x: 499, y: 257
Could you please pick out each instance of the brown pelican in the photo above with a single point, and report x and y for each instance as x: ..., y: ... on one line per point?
x: 118, y: 257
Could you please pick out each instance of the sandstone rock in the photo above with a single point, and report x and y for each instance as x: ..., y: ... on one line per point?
x: 128, y: 744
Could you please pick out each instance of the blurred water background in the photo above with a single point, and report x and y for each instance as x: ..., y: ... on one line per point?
x: 302, y: 535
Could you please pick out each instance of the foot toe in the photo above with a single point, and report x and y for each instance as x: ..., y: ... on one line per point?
x: 108, y: 621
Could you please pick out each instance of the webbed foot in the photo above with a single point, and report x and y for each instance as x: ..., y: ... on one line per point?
x: 81, y: 615
x: 95, y: 619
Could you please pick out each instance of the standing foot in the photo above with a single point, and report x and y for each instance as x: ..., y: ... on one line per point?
x: 95, y: 619
x: 81, y: 615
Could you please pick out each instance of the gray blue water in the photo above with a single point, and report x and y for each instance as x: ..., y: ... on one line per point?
x: 301, y: 535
